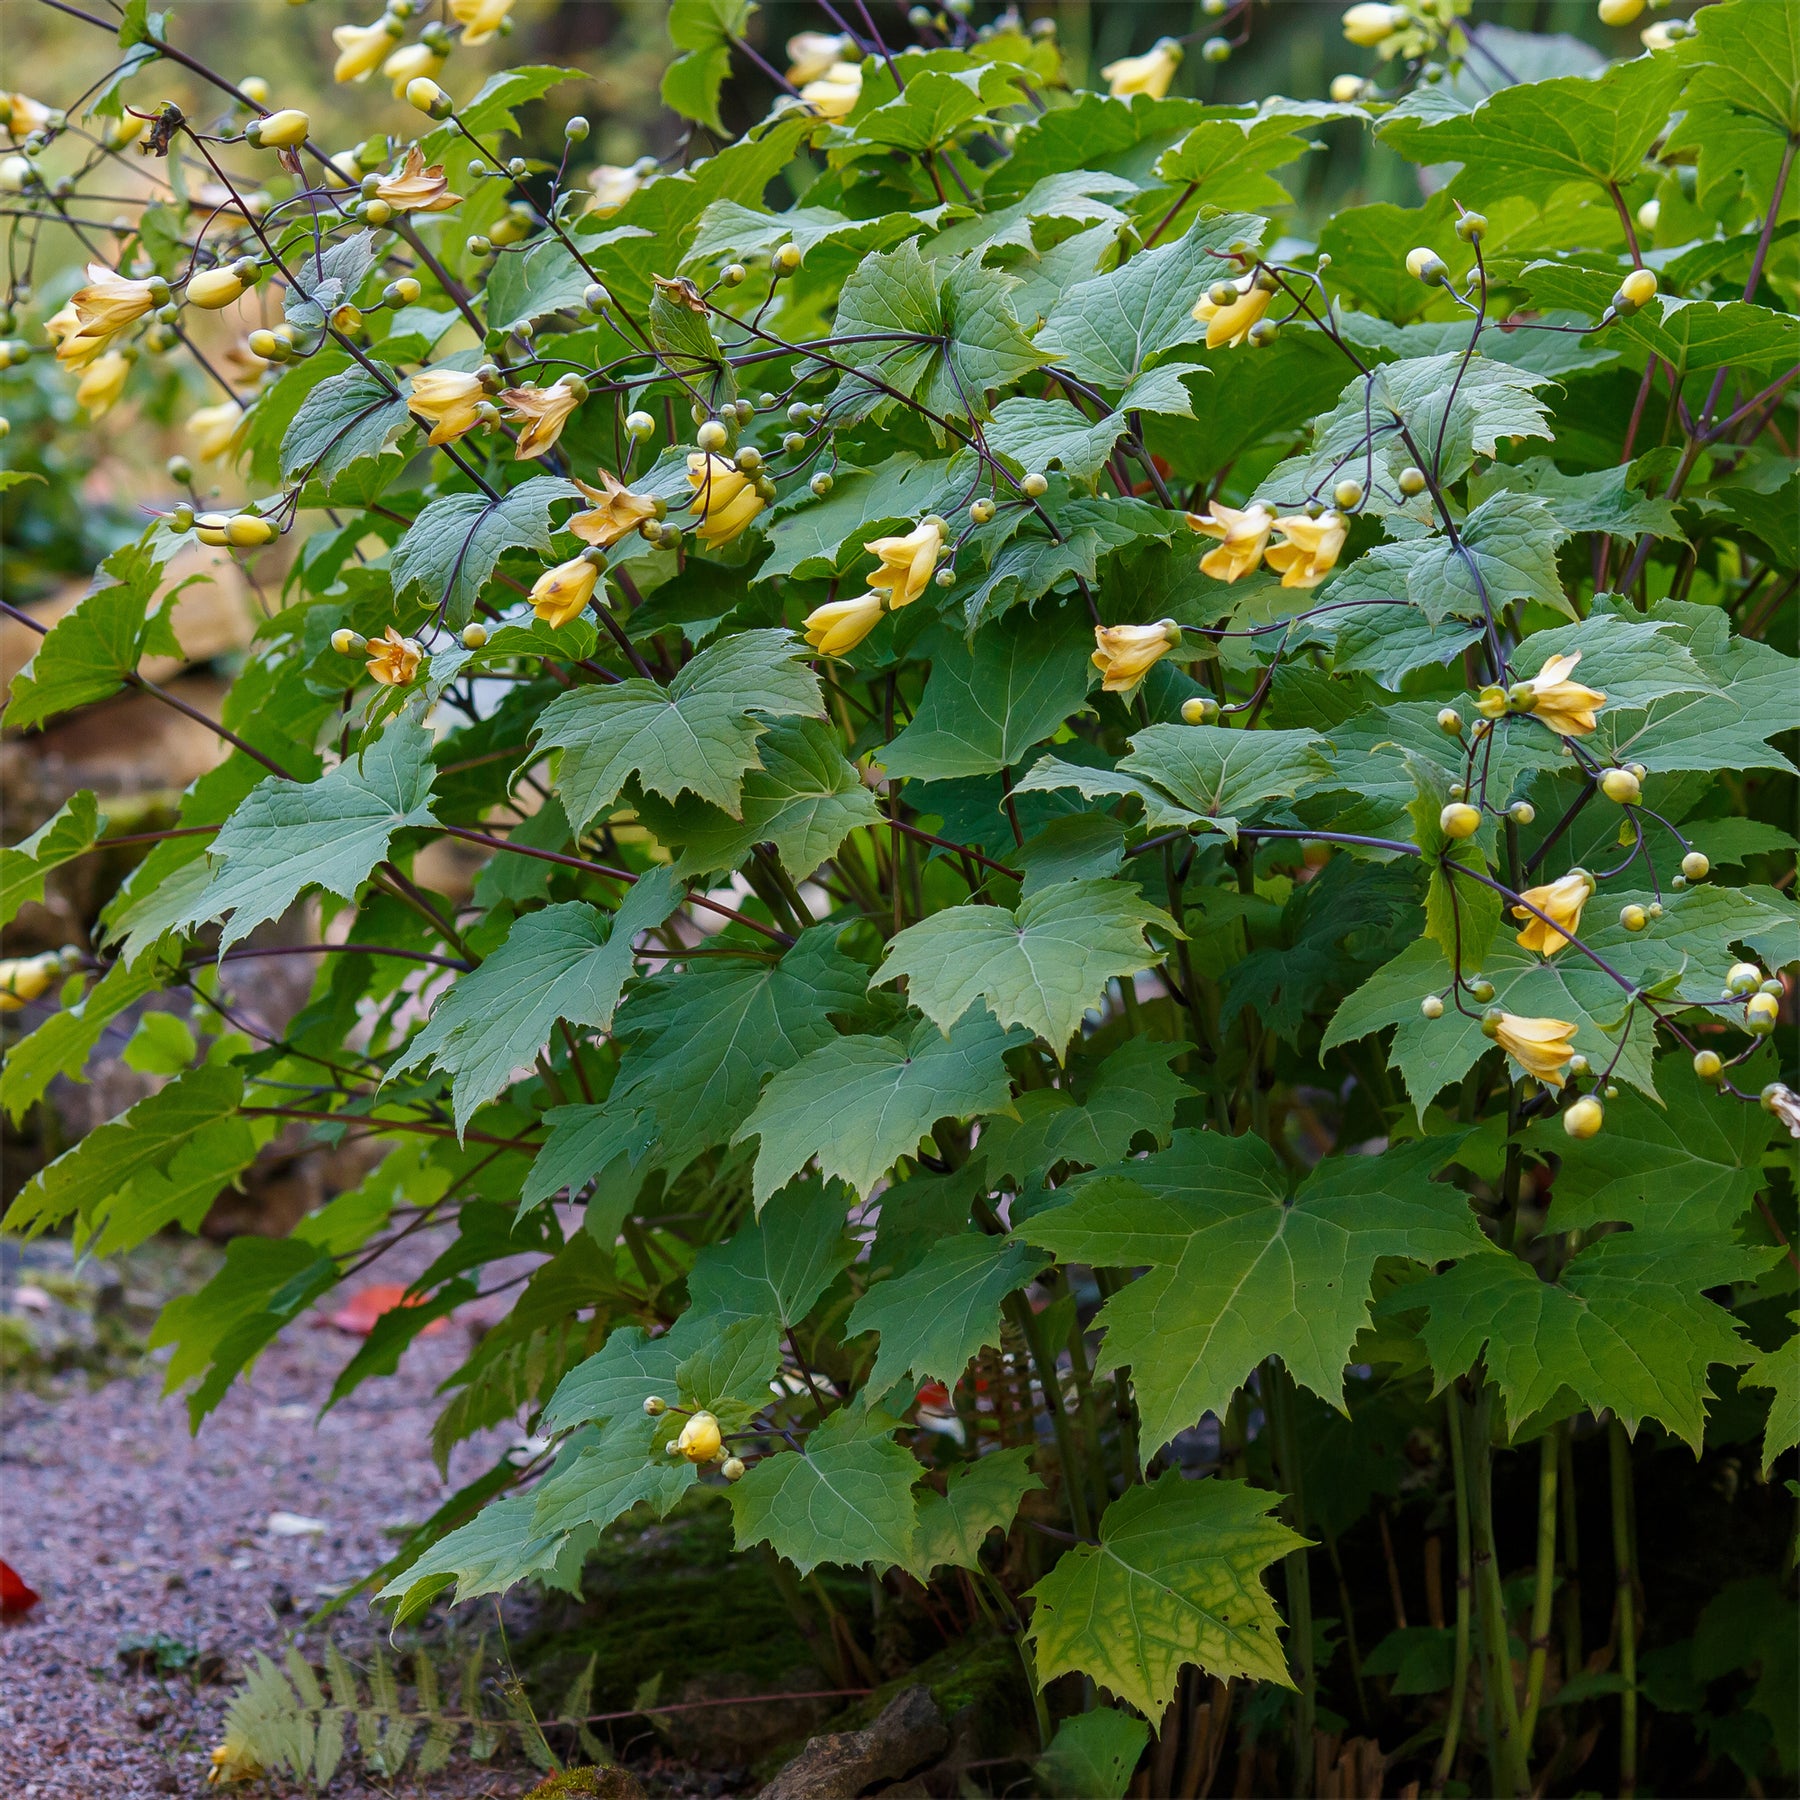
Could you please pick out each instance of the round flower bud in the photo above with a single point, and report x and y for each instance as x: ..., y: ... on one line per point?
x: 209, y: 528
x: 749, y: 459
x: 1621, y: 787
x: 712, y: 436
x: 1471, y: 227
x: 1432, y: 1006
x: 1034, y: 485
x: 1216, y: 50
x: 1200, y: 709
x: 732, y: 1468
x: 800, y: 413
x: 254, y: 89
x: 375, y: 212
x: 1772, y: 986
x: 245, y: 531
x: 1223, y: 293
x: 671, y: 1448
x: 1578, y: 1064
x: 1612, y: 1092
x: 1458, y: 791
x: 1761, y: 1011
x: 1637, y: 288
x: 1459, y: 820
x: 1491, y: 1021
x: 1263, y: 333
x: 1424, y: 264
x: 700, y: 1438
x: 793, y: 442
x: 178, y: 468
x: 1412, y: 481
x: 1633, y: 918
x: 1450, y: 721
x: 1584, y: 1118
x: 732, y: 274
x: 1346, y: 495
x: 945, y: 577
x: 425, y: 94
x: 347, y: 642
x: 181, y: 517
x: 1649, y: 214
x: 281, y: 130
x: 474, y: 636
x: 821, y: 483
x: 655, y: 1406
x: 213, y: 288
x: 639, y: 424
x: 479, y: 245
x: 1708, y: 1065
x: 576, y: 129
x: 1481, y: 990
x: 1742, y: 978
x: 268, y: 346
x: 1678, y: 882
x: 1346, y: 90
x: 1695, y: 865
x: 981, y: 511
x: 1521, y: 697
x: 786, y: 260
x: 596, y: 297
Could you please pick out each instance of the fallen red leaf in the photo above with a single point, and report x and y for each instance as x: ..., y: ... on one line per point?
x: 16, y: 1599
x: 358, y: 1314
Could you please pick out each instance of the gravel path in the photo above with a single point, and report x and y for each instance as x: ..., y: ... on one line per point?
x: 128, y: 1526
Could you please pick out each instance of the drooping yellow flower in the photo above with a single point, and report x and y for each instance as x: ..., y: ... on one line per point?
x: 1230, y: 324
x: 560, y: 594
x: 22, y: 115
x: 1149, y: 74
x: 835, y: 92
x: 1369, y: 23
x: 700, y: 1438
x: 394, y: 660
x: 613, y: 185
x: 1565, y: 706
x: 23, y: 978
x: 75, y: 348
x: 811, y: 53
x: 447, y: 399
x: 543, y: 412
x: 232, y: 1761
x: 1243, y: 537
x: 837, y: 627
x: 1541, y: 1047
x: 216, y: 431
x: 103, y: 383
x: 1309, y: 548
x: 361, y: 49
x: 414, y: 188
x: 907, y: 563
x: 617, y: 512
x: 480, y: 19
x: 1123, y: 653
x: 725, y: 498
x: 111, y: 301
x: 408, y: 63
x: 1561, y: 901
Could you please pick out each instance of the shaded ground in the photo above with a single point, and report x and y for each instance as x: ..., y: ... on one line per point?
x: 129, y: 1527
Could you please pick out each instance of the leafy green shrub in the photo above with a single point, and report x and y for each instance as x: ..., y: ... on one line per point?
x: 1102, y: 834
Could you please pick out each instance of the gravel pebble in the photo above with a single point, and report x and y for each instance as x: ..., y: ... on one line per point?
x: 129, y: 1527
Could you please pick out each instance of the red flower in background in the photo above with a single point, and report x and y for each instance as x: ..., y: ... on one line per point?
x: 16, y: 1599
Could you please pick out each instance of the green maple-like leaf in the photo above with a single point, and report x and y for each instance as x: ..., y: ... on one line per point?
x: 496, y: 1550
x: 987, y: 704
x: 699, y: 1045
x: 1175, y: 1579
x: 566, y: 962
x: 779, y: 1263
x: 447, y: 557
x: 936, y: 1315
x: 1531, y: 139
x: 1107, y: 331
x: 858, y: 1104
x: 68, y: 833
x: 979, y: 1497
x: 846, y: 1498
x: 1693, y: 1164
x: 1239, y: 1271
x: 345, y: 420
x: 614, y: 1383
x: 1778, y: 1369
x: 1133, y: 1091
x: 330, y: 833
x: 1219, y: 774
x: 1624, y: 1328
x: 1094, y: 1754
x: 805, y: 799
x: 604, y: 1480
x: 697, y: 735
x: 1042, y: 965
